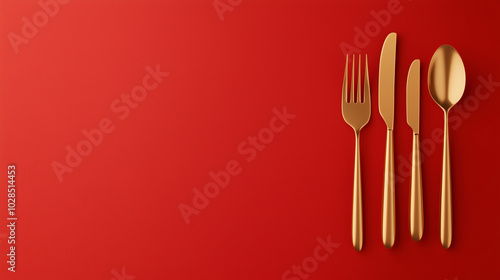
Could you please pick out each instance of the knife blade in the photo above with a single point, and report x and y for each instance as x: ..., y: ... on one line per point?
x: 387, y: 72
x: 413, y: 96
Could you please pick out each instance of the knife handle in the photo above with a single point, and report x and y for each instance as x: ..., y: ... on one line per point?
x: 357, y: 208
x: 416, y: 204
x: 388, y: 207
x: 446, y: 224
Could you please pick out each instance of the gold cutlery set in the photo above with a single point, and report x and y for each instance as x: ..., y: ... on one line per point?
x: 446, y: 82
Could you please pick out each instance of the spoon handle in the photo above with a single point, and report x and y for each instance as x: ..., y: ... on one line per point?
x: 446, y: 216
x: 388, y: 207
x: 416, y: 205
x: 357, y: 208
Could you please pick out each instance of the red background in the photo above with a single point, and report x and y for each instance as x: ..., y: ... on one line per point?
x: 119, y: 207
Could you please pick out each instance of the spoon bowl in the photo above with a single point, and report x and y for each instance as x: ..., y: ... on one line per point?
x: 446, y: 77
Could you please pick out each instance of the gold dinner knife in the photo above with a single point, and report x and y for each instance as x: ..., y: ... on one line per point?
x: 387, y: 74
x: 413, y: 119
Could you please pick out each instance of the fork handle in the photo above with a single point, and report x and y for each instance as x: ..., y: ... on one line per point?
x: 416, y: 205
x: 388, y: 206
x: 357, y: 207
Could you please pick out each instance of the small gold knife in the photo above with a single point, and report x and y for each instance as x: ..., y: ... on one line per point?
x: 413, y: 119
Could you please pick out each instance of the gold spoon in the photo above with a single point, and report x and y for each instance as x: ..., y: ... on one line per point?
x: 446, y: 82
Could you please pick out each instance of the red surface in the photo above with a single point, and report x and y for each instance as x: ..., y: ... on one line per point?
x: 117, y: 213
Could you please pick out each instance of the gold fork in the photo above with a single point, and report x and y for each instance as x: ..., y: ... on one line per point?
x: 356, y: 113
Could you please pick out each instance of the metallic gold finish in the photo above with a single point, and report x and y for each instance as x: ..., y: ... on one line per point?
x: 389, y: 204
x: 446, y: 85
x: 356, y: 113
x: 387, y: 72
x: 413, y: 96
x: 386, y: 80
x: 413, y: 119
x: 416, y: 201
x: 445, y: 224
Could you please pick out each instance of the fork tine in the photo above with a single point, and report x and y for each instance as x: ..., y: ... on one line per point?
x: 358, y: 99
x: 366, y: 97
x: 344, y: 84
x: 352, y: 79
